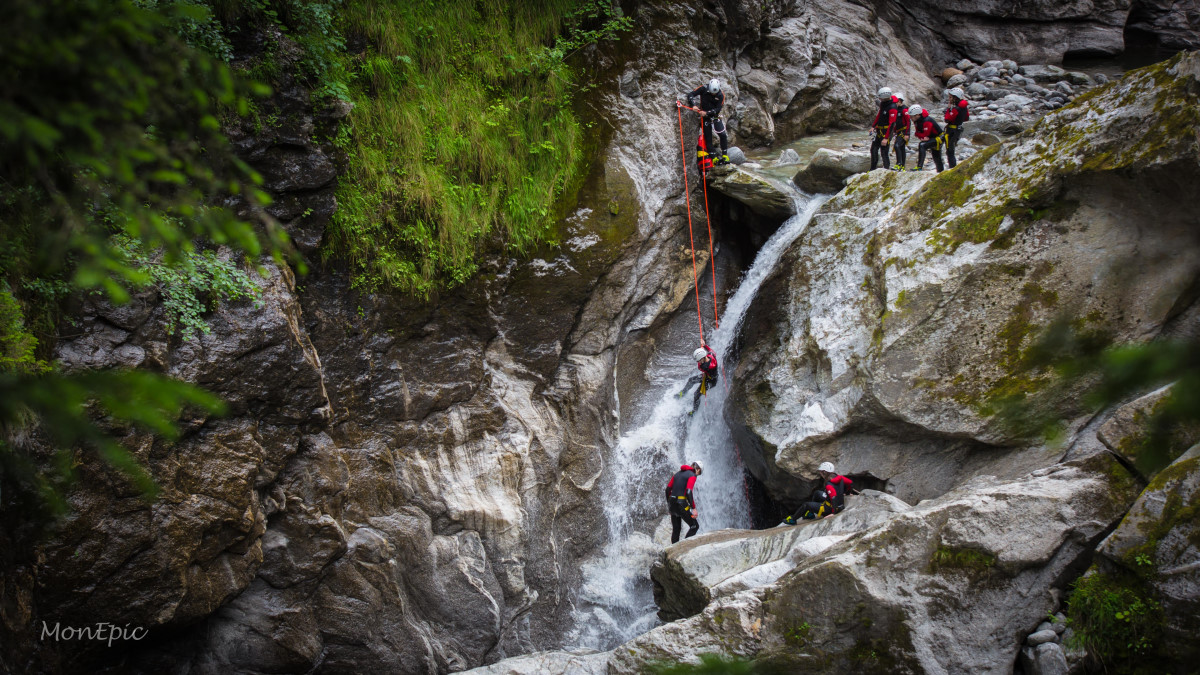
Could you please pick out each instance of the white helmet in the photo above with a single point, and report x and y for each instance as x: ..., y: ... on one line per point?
x: 885, y: 93
x: 827, y: 467
x: 699, y: 354
x: 915, y: 111
x: 957, y: 93
x: 714, y: 86
x: 697, y: 468
x: 898, y: 96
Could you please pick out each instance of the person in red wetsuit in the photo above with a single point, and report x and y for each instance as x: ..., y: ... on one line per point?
x: 842, y: 484
x: 681, y: 503
x: 706, y: 361
x: 955, y: 116
x: 901, y: 131
x: 930, y: 137
x: 820, y: 502
x: 882, y: 127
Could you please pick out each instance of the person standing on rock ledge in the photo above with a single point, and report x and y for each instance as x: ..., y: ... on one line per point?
x: 711, y: 102
x: 955, y: 116
x: 882, y: 128
x: 681, y: 504
x: 902, y: 130
x: 930, y: 137
x: 706, y: 361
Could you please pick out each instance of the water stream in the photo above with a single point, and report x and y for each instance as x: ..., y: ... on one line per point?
x: 615, y: 602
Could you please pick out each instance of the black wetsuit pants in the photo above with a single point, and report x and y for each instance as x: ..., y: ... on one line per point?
x: 813, y: 510
x: 711, y: 124
x: 953, y: 132
x: 900, y: 143
x: 700, y: 391
x: 934, y: 147
x: 877, y: 149
x: 679, y: 514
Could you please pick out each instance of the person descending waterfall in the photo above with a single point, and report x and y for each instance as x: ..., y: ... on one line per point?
x: 681, y: 504
x: 930, y: 137
x: 882, y: 128
x: 822, y: 501
x: 955, y: 116
x: 706, y: 361
x: 711, y: 102
x: 902, y: 130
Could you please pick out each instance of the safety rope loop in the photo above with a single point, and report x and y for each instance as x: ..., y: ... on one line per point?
x: 712, y: 261
x: 688, y: 200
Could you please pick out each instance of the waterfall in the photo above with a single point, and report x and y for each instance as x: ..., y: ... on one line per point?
x: 615, y: 602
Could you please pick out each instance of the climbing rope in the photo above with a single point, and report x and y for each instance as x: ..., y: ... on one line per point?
x: 712, y: 263
x: 688, y: 200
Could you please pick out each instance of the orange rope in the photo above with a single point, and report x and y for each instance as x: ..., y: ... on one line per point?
x: 688, y: 200
x: 712, y: 261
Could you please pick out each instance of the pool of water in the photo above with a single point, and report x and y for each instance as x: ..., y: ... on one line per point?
x: 805, y: 147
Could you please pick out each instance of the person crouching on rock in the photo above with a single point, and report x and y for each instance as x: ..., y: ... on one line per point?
x: 820, y: 502
x: 955, y: 116
x: 882, y: 127
x: 711, y: 102
x: 681, y: 504
x: 902, y: 129
x: 930, y: 137
x: 706, y: 361
x: 842, y: 484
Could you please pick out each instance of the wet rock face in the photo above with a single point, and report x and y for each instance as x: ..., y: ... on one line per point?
x: 907, y: 305
x: 1039, y: 31
x: 942, y: 587
x: 1174, y: 23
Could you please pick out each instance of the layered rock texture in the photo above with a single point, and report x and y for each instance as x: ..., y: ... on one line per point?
x: 901, y: 317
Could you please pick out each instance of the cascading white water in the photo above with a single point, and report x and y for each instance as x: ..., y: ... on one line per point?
x: 616, y: 601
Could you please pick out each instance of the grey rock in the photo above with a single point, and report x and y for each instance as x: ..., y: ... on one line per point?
x: 956, y: 81
x: 964, y: 64
x: 984, y: 138
x: 1101, y: 78
x: 576, y: 662
x: 1049, y: 659
x: 787, y: 157
x: 762, y: 195
x: 1174, y: 553
x: 1080, y: 79
x: 977, y: 91
x: 994, y: 63
x: 1009, y: 65
x: 1045, y: 625
x: 629, y: 85
x: 1043, y: 73
x: 988, y: 72
x: 1016, y: 100
x: 1175, y: 23
x: 736, y: 155
x: 827, y: 169
x: 1047, y: 635
x: 1064, y: 87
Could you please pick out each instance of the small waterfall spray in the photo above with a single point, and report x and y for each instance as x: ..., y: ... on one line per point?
x: 616, y: 602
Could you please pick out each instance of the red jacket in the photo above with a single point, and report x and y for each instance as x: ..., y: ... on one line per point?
x: 708, y: 364
x: 885, y: 119
x: 958, y: 114
x: 927, y: 128
x: 687, y: 481
x: 903, y: 123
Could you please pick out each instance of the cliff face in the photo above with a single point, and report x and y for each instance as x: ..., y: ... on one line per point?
x: 409, y: 486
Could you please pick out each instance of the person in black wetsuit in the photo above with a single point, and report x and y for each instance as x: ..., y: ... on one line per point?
x: 930, y: 137
x: 681, y: 504
x: 706, y: 361
x: 712, y: 99
x: 901, y: 131
x: 955, y: 116
x: 826, y: 500
x: 882, y: 128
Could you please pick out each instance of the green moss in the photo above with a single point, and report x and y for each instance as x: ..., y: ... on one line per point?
x: 950, y: 188
x: 964, y: 559
x: 797, y: 635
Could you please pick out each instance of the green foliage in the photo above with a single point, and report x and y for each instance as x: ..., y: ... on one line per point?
x: 1077, y: 355
x: 714, y: 664
x: 190, y: 288
x: 462, y: 127
x: 1114, y: 618
x: 109, y: 126
x: 797, y: 635
x: 966, y: 559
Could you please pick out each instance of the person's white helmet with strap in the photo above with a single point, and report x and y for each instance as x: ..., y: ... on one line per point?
x: 697, y: 468
x: 714, y: 86
x: 827, y: 467
x: 915, y: 111
x: 885, y: 93
x: 957, y: 93
x: 699, y: 354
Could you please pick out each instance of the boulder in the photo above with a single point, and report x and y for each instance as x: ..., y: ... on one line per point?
x: 942, y: 587
x: 827, y: 169
x: 977, y: 90
x: 964, y: 64
x: 1080, y: 79
x: 1043, y: 73
x: 1174, y: 23
x: 692, y: 573
x: 1044, y: 659
x: 1159, y: 539
x: 956, y: 81
x: 786, y: 158
x: 736, y: 155
x: 950, y: 73
x: 575, y: 662
x: 762, y: 195
x: 889, y: 329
